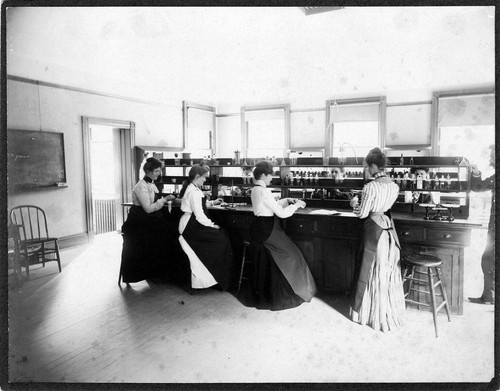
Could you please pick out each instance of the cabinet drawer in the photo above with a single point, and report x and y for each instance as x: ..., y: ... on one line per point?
x: 337, y: 228
x: 447, y: 236
x: 300, y: 225
x: 409, y: 234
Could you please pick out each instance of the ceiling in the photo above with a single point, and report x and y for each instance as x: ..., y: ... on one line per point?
x: 231, y: 56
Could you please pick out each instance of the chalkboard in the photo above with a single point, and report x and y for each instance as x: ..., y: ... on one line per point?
x: 35, y: 159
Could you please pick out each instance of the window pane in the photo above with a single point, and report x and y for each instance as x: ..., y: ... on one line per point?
x: 470, y: 141
x: 363, y: 136
x: 269, y: 133
x: 228, y: 135
x: 200, y: 129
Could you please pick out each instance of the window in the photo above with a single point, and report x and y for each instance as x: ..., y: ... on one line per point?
x: 465, y: 126
x: 199, y: 129
x: 266, y: 131
x: 354, y: 126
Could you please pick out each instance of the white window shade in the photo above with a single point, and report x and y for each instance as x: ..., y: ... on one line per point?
x: 260, y: 115
x: 407, y: 125
x: 200, y: 119
x: 228, y: 135
x: 200, y: 129
x: 466, y: 110
x: 307, y: 129
x: 270, y: 132
x: 354, y: 112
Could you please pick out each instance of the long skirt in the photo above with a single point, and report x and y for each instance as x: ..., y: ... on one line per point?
x: 212, y: 247
x: 379, y: 301
x: 150, y: 247
x: 282, y: 279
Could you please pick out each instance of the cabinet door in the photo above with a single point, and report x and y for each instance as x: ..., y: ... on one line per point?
x: 310, y: 249
x: 338, y: 257
x: 452, y: 274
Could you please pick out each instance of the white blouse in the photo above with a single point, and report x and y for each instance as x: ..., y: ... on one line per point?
x: 376, y: 196
x: 192, y: 204
x: 264, y: 204
x: 143, y: 194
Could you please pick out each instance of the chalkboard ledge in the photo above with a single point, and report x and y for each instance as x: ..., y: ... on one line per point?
x: 31, y: 187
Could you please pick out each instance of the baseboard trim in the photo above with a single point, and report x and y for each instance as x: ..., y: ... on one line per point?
x: 73, y: 240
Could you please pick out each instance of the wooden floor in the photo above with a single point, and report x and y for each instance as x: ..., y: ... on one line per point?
x: 79, y: 326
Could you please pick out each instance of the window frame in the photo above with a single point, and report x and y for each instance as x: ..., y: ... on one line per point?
x: 380, y: 100
x: 244, y: 127
x: 186, y: 105
x: 436, y: 95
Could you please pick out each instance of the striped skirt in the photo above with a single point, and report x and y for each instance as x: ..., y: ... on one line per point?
x: 380, y: 294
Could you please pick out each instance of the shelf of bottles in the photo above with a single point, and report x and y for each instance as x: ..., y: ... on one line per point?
x: 329, y: 179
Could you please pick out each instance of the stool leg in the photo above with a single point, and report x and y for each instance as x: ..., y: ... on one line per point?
x: 410, y: 284
x: 241, y: 270
x: 433, y: 299
x: 443, y: 293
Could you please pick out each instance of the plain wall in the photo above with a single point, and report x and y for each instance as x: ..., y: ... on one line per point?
x: 36, y: 107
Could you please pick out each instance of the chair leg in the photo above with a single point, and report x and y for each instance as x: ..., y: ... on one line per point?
x: 241, y: 270
x: 26, y: 263
x: 443, y: 293
x: 433, y: 299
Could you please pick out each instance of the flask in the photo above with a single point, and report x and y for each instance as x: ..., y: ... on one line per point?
x: 411, y: 161
x: 401, y: 160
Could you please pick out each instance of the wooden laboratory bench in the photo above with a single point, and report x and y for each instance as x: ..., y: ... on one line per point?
x: 330, y: 242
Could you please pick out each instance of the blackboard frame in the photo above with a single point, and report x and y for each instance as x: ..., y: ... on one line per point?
x: 35, y: 160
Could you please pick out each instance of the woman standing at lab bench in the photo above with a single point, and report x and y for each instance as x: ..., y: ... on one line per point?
x: 379, y: 298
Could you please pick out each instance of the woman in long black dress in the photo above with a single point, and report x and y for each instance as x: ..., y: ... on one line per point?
x: 282, y: 278
x: 205, y: 243
x: 150, y: 246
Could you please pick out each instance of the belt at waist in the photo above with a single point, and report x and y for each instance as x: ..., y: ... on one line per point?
x: 377, y: 214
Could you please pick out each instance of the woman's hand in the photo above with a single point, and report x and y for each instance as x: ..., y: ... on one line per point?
x: 291, y: 200
x: 216, y: 202
x: 300, y: 203
x: 170, y: 197
x: 216, y: 226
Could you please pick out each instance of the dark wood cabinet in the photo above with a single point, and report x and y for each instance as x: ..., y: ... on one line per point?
x: 330, y: 245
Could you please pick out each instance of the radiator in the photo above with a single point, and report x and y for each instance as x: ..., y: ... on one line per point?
x: 104, y: 216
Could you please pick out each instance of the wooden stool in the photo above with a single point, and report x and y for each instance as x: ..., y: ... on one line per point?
x: 432, y: 266
x: 246, y: 244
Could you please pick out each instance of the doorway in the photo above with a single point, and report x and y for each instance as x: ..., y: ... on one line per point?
x: 108, y: 173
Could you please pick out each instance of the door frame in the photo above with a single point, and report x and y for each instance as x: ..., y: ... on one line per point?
x: 127, y: 162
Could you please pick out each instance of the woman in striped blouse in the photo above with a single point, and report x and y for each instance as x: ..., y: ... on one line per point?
x: 379, y: 299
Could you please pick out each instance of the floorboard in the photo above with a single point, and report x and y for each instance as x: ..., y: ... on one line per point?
x: 79, y: 326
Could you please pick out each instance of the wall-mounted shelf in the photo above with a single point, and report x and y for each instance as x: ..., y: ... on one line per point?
x: 322, y: 185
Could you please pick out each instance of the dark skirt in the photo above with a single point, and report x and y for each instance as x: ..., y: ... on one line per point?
x: 151, y: 248
x: 213, y: 247
x: 282, y: 279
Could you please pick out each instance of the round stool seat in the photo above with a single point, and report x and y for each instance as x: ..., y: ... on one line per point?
x: 422, y: 260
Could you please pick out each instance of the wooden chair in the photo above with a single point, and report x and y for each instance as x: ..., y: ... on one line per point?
x: 35, y: 242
